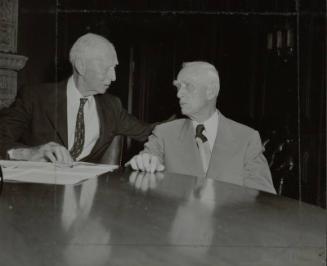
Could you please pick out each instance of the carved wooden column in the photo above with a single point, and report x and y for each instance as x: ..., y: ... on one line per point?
x: 10, y: 62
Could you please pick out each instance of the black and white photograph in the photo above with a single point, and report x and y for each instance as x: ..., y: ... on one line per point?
x: 163, y: 132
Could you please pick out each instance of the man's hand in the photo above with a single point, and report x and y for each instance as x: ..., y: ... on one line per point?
x: 51, y: 151
x: 145, y: 162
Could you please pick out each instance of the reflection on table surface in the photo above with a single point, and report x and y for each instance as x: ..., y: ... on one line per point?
x: 135, y: 218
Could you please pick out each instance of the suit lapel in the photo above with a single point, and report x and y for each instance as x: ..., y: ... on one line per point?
x: 57, y: 112
x: 223, y: 146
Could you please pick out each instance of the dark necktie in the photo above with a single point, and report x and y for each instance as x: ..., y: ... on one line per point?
x: 203, y: 145
x: 79, y: 138
x: 199, y: 133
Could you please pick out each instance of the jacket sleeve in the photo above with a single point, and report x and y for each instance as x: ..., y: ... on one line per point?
x: 155, y: 145
x: 256, y: 170
x: 129, y: 125
x: 15, y: 121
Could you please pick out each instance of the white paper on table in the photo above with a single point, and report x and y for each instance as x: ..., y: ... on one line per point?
x: 50, y: 173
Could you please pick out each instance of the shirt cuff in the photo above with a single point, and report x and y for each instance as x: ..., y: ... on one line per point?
x: 10, y: 154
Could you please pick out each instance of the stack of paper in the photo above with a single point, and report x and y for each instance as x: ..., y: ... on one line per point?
x: 51, y: 173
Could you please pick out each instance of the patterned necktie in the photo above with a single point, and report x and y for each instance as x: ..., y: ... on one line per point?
x: 79, y: 138
x: 203, y: 145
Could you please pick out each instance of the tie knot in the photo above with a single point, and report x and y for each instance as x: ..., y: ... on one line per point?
x: 199, y: 133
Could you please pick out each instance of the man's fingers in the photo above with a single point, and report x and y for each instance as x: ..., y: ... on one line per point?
x: 133, y: 164
x: 62, y: 154
x: 50, y: 156
x: 57, y: 151
x: 52, y: 152
x: 153, y: 164
x: 139, y: 162
x: 156, y: 165
x: 136, y: 163
x: 146, y: 161
x: 67, y: 158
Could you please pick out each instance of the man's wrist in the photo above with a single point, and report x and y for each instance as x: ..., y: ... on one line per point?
x: 19, y: 154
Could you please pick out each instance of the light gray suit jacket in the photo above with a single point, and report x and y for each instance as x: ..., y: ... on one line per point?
x: 236, y: 156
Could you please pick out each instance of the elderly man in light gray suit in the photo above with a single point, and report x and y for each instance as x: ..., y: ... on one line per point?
x: 206, y: 143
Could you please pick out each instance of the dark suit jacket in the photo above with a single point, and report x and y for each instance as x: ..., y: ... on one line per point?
x: 39, y: 115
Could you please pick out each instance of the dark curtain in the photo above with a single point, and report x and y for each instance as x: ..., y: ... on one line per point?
x: 312, y: 87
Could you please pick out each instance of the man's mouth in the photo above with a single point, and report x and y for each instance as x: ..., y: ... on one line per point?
x: 106, y: 86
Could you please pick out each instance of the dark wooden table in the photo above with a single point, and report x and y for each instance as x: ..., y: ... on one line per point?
x: 130, y: 218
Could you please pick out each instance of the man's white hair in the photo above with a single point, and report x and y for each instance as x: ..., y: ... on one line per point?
x: 85, y: 44
x: 204, y: 70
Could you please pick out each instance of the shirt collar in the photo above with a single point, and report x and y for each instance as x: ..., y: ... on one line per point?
x: 210, y: 123
x: 73, y: 92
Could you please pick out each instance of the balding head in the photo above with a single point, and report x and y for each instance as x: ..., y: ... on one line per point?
x: 197, y: 89
x: 201, y: 73
x: 92, y: 45
x: 94, y: 60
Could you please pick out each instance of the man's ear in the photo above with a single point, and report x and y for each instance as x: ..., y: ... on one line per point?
x: 211, y: 92
x: 80, y: 66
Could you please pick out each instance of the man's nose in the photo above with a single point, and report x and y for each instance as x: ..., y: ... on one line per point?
x: 180, y: 92
x: 113, y: 75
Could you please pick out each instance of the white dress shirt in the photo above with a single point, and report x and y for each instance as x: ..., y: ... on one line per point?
x: 91, y: 119
x: 211, y: 126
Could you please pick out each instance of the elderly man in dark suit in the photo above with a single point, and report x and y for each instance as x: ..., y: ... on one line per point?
x: 206, y: 143
x: 74, y: 119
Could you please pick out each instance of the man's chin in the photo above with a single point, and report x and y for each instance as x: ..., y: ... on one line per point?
x: 95, y: 92
x: 104, y: 90
x: 184, y: 111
